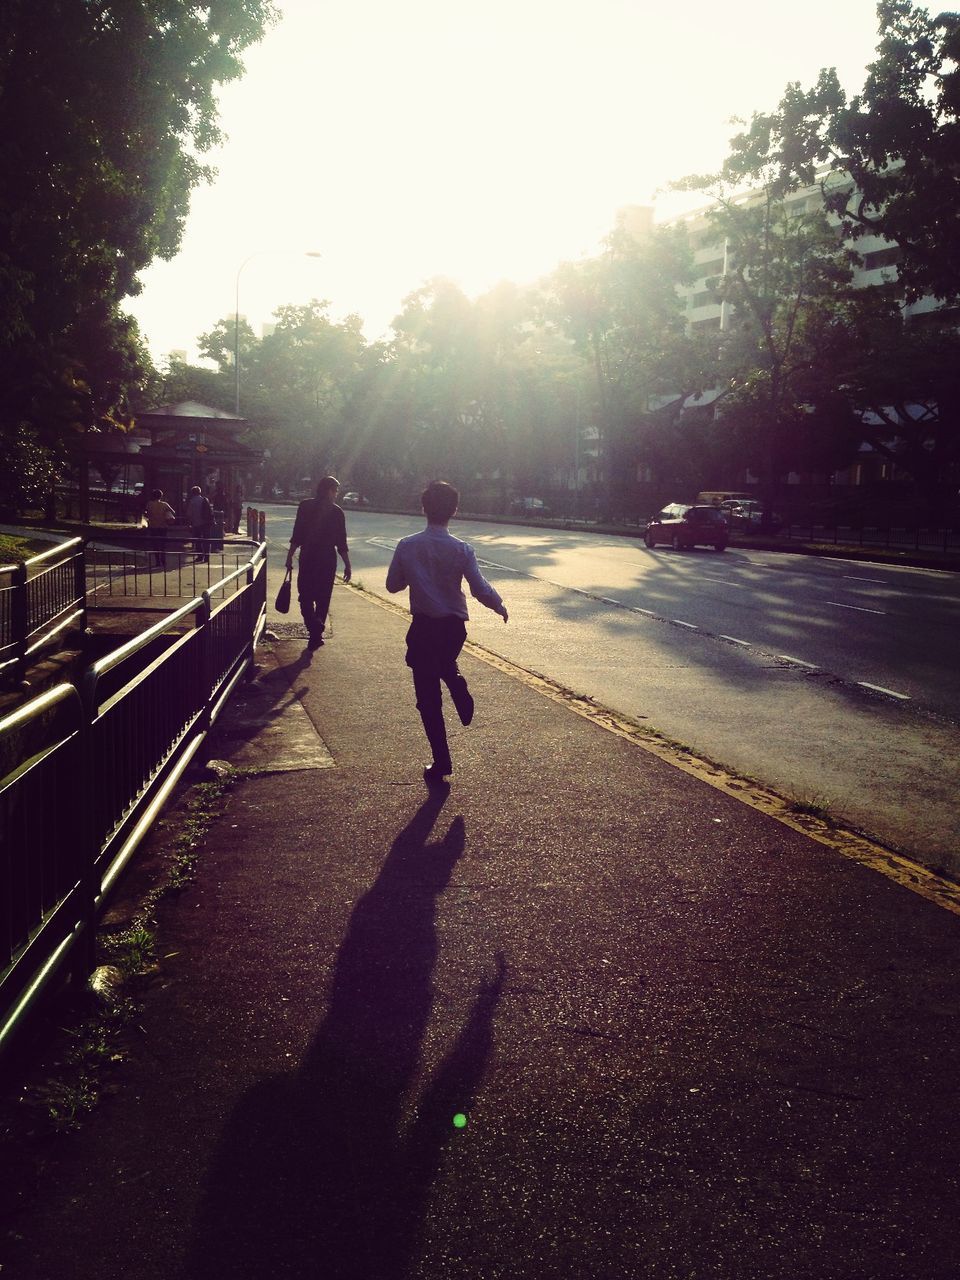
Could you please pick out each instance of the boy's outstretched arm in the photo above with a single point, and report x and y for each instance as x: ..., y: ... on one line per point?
x: 480, y: 588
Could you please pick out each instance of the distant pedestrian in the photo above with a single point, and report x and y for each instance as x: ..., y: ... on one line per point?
x: 159, y: 515
x: 433, y: 564
x: 199, y: 515
x: 236, y: 509
x: 320, y: 531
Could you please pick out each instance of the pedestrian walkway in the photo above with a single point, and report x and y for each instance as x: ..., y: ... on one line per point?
x: 583, y: 1016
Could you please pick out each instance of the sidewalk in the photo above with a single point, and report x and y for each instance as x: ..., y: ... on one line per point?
x: 688, y: 1041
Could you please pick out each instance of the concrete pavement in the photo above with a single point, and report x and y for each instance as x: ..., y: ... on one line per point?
x: 688, y: 1040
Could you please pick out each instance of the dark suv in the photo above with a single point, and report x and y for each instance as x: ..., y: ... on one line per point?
x: 683, y: 526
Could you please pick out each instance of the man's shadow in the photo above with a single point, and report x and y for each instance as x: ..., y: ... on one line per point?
x: 263, y: 698
x: 316, y: 1173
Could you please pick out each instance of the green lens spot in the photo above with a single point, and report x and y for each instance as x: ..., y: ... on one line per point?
x: 459, y: 1120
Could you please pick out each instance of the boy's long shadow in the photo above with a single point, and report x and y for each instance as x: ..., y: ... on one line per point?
x: 315, y: 1174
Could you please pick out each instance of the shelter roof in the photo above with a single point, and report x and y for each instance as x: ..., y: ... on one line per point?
x: 189, y: 409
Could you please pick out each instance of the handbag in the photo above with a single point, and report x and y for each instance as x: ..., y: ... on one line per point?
x: 282, y: 602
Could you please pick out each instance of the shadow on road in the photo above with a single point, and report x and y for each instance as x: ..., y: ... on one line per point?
x: 317, y: 1173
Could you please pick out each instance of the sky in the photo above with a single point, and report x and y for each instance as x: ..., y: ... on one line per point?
x: 476, y: 141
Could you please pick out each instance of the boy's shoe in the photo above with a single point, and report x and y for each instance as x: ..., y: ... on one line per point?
x: 463, y: 701
x: 434, y: 776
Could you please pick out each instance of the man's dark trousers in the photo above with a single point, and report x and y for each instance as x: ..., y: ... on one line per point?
x: 433, y: 646
x: 315, y: 578
x: 201, y: 541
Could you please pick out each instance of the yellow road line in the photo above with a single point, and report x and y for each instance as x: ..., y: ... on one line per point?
x: 911, y: 875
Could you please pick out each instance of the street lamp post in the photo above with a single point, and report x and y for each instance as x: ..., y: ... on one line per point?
x: 576, y: 455
x: 236, y: 317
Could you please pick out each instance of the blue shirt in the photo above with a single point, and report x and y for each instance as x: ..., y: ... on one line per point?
x: 433, y: 564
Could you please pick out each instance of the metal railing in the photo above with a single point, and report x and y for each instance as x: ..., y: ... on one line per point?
x: 889, y: 539
x: 127, y: 575
x: 39, y: 599
x: 84, y: 774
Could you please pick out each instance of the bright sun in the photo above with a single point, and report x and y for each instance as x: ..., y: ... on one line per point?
x: 480, y: 143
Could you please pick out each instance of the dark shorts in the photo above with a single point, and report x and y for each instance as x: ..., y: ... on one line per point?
x: 434, y: 643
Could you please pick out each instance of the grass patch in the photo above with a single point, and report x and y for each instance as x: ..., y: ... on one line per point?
x: 813, y: 806
x: 133, y: 951
x: 203, y: 808
x: 14, y: 549
x: 71, y: 1083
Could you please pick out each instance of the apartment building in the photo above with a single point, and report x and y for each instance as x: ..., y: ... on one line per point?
x: 705, y: 312
x: 712, y: 259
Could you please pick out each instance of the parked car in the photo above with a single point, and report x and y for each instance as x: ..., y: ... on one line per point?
x: 747, y: 515
x: 353, y: 499
x: 682, y: 527
x: 529, y: 507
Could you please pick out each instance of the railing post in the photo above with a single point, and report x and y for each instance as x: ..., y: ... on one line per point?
x: 206, y: 660
x: 261, y: 526
x: 80, y: 584
x: 85, y: 954
x: 19, y: 622
x: 248, y: 616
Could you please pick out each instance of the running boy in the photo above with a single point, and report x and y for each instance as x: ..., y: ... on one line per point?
x: 433, y: 564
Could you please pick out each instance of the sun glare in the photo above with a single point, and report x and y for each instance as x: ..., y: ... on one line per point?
x: 481, y: 144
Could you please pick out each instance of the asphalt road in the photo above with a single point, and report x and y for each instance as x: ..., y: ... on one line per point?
x: 833, y: 682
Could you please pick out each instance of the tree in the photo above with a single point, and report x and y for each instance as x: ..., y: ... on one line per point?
x: 297, y: 383
x: 789, y: 290
x: 624, y: 314
x: 888, y: 159
x: 901, y: 382
x: 887, y: 162
x: 225, y: 340
x: 180, y: 381
x: 104, y: 109
x: 440, y: 361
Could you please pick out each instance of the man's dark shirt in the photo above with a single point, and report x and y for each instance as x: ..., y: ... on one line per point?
x: 319, y: 528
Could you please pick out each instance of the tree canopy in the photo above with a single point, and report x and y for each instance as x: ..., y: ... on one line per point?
x: 888, y: 158
x: 104, y: 111
x: 811, y: 366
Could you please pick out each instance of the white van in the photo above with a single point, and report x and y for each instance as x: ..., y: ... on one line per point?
x: 714, y: 497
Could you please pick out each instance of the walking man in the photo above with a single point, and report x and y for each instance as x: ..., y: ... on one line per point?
x: 320, y: 531
x: 433, y: 564
x: 159, y: 515
x: 199, y: 515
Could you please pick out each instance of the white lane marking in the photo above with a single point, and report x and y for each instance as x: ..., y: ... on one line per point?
x: 647, y: 613
x: 689, y: 625
x: 724, y: 582
x: 785, y: 657
x: 505, y: 568
x: 734, y: 640
x: 855, y: 577
x: 389, y: 543
x: 856, y: 608
x: 607, y: 600
x: 878, y: 688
